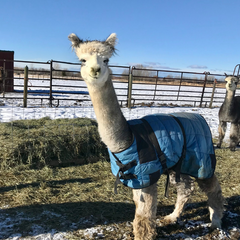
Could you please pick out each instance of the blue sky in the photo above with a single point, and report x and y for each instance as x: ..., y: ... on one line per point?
x: 193, y: 35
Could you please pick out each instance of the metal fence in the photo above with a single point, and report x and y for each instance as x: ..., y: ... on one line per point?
x: 177, y: 88
x: 58, y: 83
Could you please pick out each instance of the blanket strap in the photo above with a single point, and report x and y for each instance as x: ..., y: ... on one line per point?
x: 153, y: 139
x: 177, y: 167
x: 122, y: 169
x: 161, y: 155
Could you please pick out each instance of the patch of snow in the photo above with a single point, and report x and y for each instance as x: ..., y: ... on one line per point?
x: 95, y: 232
x: 231, y: 215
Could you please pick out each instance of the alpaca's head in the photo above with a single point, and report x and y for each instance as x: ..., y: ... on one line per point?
x: 94, y: 56
x: 231, y: 83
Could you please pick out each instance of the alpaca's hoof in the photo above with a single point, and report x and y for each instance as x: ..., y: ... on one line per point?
x: 169, y: 219
x: 218, y: 145
x: 216, y: 223
x: 144, y: 228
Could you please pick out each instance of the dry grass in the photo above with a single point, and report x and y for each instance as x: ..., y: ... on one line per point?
x: 71, y: 199
x: 49, y: 142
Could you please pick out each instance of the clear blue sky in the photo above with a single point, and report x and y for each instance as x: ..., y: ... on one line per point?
x: 194, y: 35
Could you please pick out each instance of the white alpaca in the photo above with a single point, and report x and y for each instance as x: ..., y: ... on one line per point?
x: 230, y: 112
x: 116, y: 134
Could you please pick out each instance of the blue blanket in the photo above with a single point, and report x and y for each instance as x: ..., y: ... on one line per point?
x: 142, y: 165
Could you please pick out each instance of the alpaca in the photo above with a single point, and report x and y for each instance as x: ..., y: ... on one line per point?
x: 116, y: 133
x: 230, y: 112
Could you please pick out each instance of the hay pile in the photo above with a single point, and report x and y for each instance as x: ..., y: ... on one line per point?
x: 44, y: 141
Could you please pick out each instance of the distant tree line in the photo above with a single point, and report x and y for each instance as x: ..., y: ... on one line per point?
x: 143, y: 73
x: 57, y: 71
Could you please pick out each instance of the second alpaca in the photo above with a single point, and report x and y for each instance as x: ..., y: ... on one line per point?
x: 230, y: 112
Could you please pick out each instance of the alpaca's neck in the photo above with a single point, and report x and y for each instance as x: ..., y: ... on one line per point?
x: 112, y: 125
x: 228, y: 104
x: 229, y: 97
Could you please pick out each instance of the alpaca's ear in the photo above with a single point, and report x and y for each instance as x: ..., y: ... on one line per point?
x: 76, y: 41
x: 226, y: 75
x: 112, y: 39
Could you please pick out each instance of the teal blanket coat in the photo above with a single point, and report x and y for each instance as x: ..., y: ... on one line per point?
x: 199, y: 160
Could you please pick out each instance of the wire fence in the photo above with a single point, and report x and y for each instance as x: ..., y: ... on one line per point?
x: 58, y: 83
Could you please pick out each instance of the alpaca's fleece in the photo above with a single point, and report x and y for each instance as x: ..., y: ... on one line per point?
x: 104, y: 48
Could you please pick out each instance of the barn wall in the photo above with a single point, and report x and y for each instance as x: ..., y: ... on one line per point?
x: 6, y: 62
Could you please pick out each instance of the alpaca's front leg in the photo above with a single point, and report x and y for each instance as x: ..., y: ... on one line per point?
x: 144, y: 224
x: 221, y: 132
x: 234, y: 136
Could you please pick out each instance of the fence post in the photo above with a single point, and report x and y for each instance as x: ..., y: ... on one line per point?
x: 204, y: 86
x: 50, y: 89
x: 25, y: 86
x: 180, y: 84
x: 129, y: 88
x: 155, y: 90
x: 213, y: 91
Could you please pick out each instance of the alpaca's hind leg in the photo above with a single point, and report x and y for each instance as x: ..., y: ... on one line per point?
x: 215, y: 199
x: 234, y: 136
x: 238, y: 134
x: 144, y: 224
x: 184, y: 190
x: 221, y: 132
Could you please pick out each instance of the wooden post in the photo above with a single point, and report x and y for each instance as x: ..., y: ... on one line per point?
x: 155, y: 90
x: 2, y: 80
x: 25, y: 86
x: 50, y: 90
x: 180, y: 84
x: 213, y: 91
x: 204, y: 86
x: 129, y: 90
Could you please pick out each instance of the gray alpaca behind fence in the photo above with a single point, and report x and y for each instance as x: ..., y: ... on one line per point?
x: 230, y: 112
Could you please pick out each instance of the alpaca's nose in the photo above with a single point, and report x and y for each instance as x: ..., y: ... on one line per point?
x: 95, y: 70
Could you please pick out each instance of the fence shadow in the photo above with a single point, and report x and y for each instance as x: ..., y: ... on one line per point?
x: 41, y: 219
x: 49, y: 183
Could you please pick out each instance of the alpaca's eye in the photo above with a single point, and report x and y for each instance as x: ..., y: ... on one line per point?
x: 106, y: 61
x: 83, y: 60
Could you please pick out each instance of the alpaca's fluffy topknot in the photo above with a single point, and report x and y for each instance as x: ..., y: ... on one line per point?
x: 104, y: 48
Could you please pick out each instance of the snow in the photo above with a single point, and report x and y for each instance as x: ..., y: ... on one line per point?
x: 11, y: 112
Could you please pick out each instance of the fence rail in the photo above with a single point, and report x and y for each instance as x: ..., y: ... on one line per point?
x: 59, y: 83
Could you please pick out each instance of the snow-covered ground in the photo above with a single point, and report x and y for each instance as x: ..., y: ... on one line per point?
x: 11, y: 111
